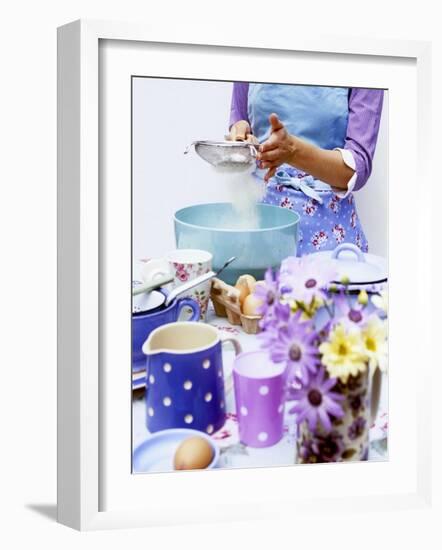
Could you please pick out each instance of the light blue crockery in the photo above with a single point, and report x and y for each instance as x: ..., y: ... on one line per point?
x: 216, y: 227
x: 156, y: 454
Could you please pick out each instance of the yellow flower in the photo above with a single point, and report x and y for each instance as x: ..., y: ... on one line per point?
x: 312, y: 308
x: 374, y: 337
x: 343, y: 353
x: 363, y: 297
x: 308, y: 311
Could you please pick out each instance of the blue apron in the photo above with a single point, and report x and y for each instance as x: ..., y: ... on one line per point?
x: 318, y: 115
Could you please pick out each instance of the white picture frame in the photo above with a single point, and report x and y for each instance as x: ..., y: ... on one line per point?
x: 82, y: 293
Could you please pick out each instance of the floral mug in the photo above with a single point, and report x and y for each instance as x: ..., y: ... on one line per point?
x: 187, y: 264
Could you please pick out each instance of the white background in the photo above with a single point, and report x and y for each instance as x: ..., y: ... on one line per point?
x: 28, y: 221
x: 168, y: 115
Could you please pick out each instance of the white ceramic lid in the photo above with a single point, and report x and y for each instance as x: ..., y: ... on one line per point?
x: 360, y: 268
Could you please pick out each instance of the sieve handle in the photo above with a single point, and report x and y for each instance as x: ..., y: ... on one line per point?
x: 187, y: 149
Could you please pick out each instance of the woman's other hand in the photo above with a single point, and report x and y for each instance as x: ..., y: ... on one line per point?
x: 241, y: 131
x: 278, y: 149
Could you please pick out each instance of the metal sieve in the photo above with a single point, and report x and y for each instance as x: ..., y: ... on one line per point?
x: 239, y: 155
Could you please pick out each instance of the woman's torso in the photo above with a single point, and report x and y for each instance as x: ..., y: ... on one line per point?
x: 318, y: 115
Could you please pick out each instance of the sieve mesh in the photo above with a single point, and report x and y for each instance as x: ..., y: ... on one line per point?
x: 226, y: 154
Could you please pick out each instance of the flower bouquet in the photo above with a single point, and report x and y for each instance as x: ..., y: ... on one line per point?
x: 333, y: 341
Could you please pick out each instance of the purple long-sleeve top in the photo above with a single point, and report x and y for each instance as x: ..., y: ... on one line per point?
x: 364, y: 115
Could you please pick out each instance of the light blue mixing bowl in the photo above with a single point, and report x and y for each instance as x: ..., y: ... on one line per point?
x: 216, y: 228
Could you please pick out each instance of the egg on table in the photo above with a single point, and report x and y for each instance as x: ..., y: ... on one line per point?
x: 194, y: 453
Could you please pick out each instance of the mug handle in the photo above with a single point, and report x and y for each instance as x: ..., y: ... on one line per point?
x: 228, y: 383
x: 376, y: 380
x: 194, y: 306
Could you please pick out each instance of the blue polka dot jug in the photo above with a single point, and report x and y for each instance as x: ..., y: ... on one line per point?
x: 185, y: 378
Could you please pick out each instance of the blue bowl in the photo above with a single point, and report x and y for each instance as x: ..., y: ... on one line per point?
x: 157, y: 452
x: 216, y: 228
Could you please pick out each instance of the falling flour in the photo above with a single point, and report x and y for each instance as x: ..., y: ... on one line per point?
x: 245, y: 191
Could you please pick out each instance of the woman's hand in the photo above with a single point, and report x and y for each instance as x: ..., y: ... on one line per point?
x: 241, y: 131
x: 322, y: 164
x: 279, y: 148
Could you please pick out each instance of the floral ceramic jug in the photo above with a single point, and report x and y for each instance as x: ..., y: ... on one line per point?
x: 348, y: 438
x: 325, y: 318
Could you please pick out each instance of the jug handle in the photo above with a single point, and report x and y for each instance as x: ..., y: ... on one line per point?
x: 376, y: 379
x: 194, y: 306
x: 228, y: 384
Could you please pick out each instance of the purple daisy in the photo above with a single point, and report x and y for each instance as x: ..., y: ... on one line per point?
x: 316, y: 403
x: 267, y: 293
x: 271, y: 324
x: 303, y: 279
x: 349, y: 312
x: 294, y: 345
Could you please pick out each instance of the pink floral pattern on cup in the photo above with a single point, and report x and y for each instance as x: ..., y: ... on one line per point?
x: 181, y: 272
x: 187, y: 264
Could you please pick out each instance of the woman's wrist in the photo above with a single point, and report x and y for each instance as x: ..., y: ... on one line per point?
x: 295, y: 146
x: 325, y: 165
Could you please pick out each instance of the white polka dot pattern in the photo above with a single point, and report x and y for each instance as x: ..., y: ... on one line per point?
x: 167, y: 367
x: 208, y: 397
x: 209, y: 429
x: 262, y: 436
x: 167, y: 401
x: 187, y: 385
x: 188, y: 419
x: 152, y: 379
x: 244, y: 411
x: 264, y: 390
x: 206, y: 363
x: 150, y: 411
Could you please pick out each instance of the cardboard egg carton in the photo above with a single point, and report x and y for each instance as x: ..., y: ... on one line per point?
x: 225, y: 299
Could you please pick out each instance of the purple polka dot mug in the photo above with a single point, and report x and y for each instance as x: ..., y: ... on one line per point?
x: 259, y: 396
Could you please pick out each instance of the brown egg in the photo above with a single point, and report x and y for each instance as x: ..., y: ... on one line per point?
x: 251, y: 305
x: 194, y: 453
x: 245, y: 285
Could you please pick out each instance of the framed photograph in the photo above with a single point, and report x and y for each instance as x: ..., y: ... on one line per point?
x: 231, y: 254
